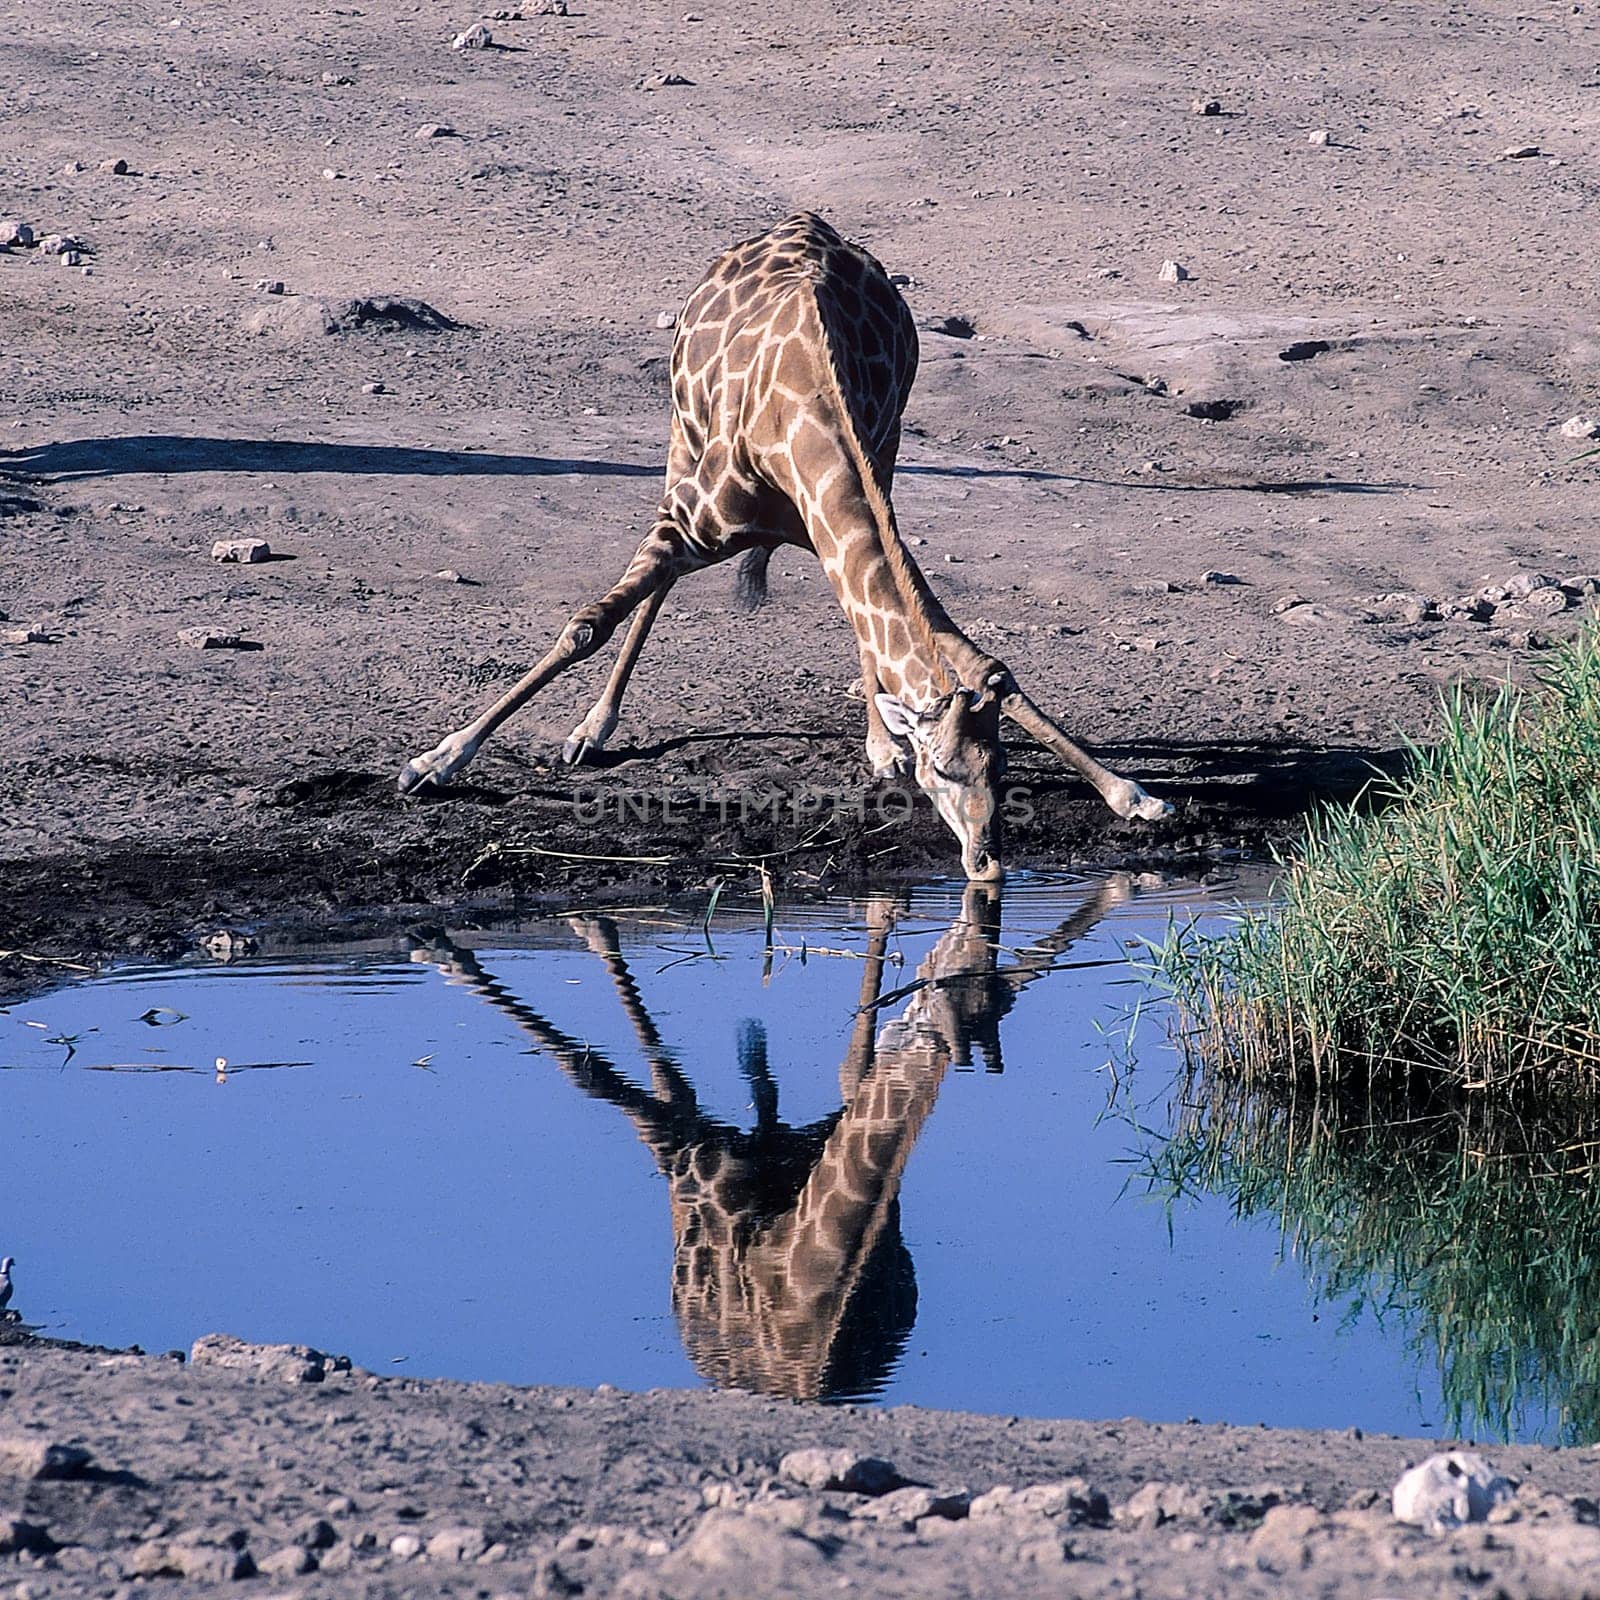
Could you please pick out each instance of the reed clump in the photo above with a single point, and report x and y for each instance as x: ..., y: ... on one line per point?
x: 1452, y: 929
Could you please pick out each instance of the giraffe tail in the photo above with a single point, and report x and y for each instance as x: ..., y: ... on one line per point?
x: 750, y: 581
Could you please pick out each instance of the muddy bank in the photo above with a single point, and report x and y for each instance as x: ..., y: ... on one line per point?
x: 328, y: 1481
x: 344, y: 857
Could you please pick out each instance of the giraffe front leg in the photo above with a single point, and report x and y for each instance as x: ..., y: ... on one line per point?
x: 886, y: 755
x: 655, y: 565
x: 588, y: 739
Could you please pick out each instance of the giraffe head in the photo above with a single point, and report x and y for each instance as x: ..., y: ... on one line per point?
x: 959, y: 764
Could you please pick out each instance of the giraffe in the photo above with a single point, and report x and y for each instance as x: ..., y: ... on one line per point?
x: 791, y: 367
x: 790, y: 1276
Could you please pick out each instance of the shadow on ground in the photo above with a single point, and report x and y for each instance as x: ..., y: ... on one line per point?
x: 72, y: 460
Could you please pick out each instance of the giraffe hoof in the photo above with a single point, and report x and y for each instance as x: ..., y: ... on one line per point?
x: 433, y: 769
x: 414, y: 777
x: 578, y: 751
x: 1131, y: 802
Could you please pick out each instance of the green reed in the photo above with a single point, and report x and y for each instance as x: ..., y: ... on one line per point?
x: 1447, y: 924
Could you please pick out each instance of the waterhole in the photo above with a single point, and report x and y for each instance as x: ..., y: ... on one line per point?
x: 929, y: 1146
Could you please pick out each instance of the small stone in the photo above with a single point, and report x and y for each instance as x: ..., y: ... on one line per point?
x: 1520, y: 152
x: 15, y: 233
x: 1171, y: 272
x: 341, y: 1505
x: 1320, y: 137
x: 449, y: 575
x: 27, y: 1457
x: 663, y: 80
x: 316, y: 1533
x: 337, y: 80
x: 1105, y: 274
x: 434, y: 130
x: 70, y: 258
x: 209, y: 639
x: 269, y: 285
x: 72, y: 169
x: 244, y: 551
x: 458, y: 1544
x: 290, y: 1562
x: 477, y: 37
x: 1521, y: 586
x: 1202, y: 107
x: 666, y: 320
x: 1159, y: 1502
x: 293, y: 1363
x: 406, y: 1546
x: 1547, y: 601
x: 1070, y: 1498
x: 58, y: 244
x: 1287, y: 602
x: 840, y: 1469
x: 373, y: 388
x: 24, y: 636
x: 1217, y: 580
x: 115, y: 165
x: 551, y: 8
x: 1572, y: 428
x: 331, y: 174
x: 209, y: 1563
x: 915, y: 1504
x: 1449, y: 1489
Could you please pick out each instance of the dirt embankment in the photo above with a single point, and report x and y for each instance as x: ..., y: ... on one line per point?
x: 333, y: 1482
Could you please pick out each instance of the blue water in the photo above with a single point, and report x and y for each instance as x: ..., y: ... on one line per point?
x: 391, y: 1167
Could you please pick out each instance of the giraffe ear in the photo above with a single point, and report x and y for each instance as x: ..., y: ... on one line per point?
x: 897, y: 716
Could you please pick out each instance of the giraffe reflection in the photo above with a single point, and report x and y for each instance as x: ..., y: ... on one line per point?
x: 790, y: 1276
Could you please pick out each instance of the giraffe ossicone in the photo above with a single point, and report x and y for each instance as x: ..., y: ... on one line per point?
x: 791, y: 367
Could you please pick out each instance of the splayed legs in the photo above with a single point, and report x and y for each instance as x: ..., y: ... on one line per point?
x: 658, y: 562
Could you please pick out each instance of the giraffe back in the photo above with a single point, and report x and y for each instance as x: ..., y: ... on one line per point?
x: 749, y: 316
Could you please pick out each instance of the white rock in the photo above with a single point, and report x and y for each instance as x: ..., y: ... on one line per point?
x: 477, y: 37
x: 1448, y: 1489
x: 58, y: 244
x: 434, y: 130
x: 1520, y: 152
x: 244, y: 551
x: 666, y: 319
x: 13, y: 232
x: 114, y: 165
x: 1171, y: 272
x: 1319, y: 136
x: 405, y: 1545
x: 1581, y: 428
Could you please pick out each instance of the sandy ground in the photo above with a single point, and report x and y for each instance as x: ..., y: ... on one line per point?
x: 198, y: 1475
x: 1357, y: 392
x: 1029, y: 175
